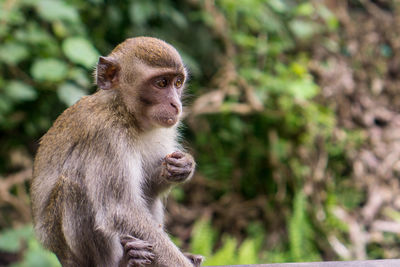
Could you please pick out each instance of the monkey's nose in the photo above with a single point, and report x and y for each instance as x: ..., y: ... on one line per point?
x: 176, y: 107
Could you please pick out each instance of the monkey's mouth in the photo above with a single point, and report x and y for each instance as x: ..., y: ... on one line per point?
x: 168, y: 121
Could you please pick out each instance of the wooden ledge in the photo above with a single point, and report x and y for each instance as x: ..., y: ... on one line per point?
x: 371, y: 263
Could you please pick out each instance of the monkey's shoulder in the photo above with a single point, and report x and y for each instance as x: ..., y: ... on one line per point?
x: 88, y: 115
x: 86, y: 124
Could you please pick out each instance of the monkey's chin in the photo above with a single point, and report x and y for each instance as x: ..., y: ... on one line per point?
x: 167, y: 122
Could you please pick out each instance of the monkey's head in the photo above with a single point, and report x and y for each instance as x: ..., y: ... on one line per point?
x: 149, y: 76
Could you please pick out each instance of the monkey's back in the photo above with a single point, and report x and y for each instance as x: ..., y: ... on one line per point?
x: 65, y: 153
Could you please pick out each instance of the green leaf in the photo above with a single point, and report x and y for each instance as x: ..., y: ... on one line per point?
x: 5, y: 105
x: 79, y: 50
x: 247, y: 253
x: 191, y: 63
x: 11, y: 15
x: 4, y: 29
x: 305, y: 9
x: 140, y: 12
x: 29, y: 2
x: 53, y: 10
x: 303, y: 29
x: 49, y: 70
x: 10, y: 240
x: 20, y: 91
x: 13, y: 53
x: 226, y: 254
x: 302, y: 89
x: 178, y: 194
x: 70, y: 93
x: 32, y: 33
x: 278, y: 5
x: 178, y: 18
x: 37, y: 256
x: 14, y: 240
x: 80, y: 77
x: 298, y: 227
x: 245, y: 40
x: 202, y: 238
x: 300, y: 232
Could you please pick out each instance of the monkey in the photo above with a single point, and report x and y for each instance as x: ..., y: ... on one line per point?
x: 102, y: 169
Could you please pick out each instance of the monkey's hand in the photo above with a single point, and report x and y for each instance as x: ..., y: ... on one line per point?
x: 195, y: 259
x: 137, y: 252
x: 177, y: 167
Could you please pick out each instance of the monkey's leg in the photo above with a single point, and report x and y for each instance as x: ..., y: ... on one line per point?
x: 50, y: 222
x: 142, y: 225
x: 195, y: 259
x: 177, y: 167
x: 89, y: 246
x: 137, y: 252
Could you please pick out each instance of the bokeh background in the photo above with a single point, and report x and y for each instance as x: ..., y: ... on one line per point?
x: 292, y: 115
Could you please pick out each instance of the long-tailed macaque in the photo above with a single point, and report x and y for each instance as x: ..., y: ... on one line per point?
x: 101, y: 168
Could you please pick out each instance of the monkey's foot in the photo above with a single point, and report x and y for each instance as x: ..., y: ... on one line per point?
x: 137, y: 252
x: 195, y: 259
x: 177, y: 166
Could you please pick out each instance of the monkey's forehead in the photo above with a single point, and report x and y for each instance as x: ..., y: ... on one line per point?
x: 152, y: 51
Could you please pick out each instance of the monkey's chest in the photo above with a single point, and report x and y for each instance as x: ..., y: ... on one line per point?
x: 151, y: 165
x: 153, y: 148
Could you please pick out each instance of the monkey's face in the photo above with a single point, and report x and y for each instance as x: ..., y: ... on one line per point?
x: 160, y: 97
x: 149, y: 76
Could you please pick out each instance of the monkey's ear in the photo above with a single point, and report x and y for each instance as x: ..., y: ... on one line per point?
x: 107, y: 73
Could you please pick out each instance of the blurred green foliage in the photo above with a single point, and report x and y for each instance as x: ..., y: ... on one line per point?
x: 203, y: 241
x: 14, y: 240
x: 48, y: 49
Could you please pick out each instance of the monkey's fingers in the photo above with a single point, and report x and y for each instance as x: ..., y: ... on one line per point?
x: 182, y: 162
x: 129, y: 242
x: 140, y: 246
x: 128, y: 238
x: 176, y: 178
x: 138, y: 262
x: 195, y: 259
x: 140, y: 254
x: 176, y: 174
x: 176, y: 154
x: 174, y: 170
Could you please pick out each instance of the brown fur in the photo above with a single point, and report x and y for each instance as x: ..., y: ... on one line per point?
x: 154, y: 52
x: 97, y: 172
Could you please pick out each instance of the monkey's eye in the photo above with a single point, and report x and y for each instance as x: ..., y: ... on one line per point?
x: 162, y: 83
x: 178, y: 82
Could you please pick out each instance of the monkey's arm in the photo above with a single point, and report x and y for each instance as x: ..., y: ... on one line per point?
x: 122, y: 209
x: 116, y: 177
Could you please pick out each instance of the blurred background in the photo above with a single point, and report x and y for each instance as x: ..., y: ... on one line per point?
x: 292, y: 115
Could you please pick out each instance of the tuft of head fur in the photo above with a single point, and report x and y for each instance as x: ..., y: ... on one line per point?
x: 151, y: 51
